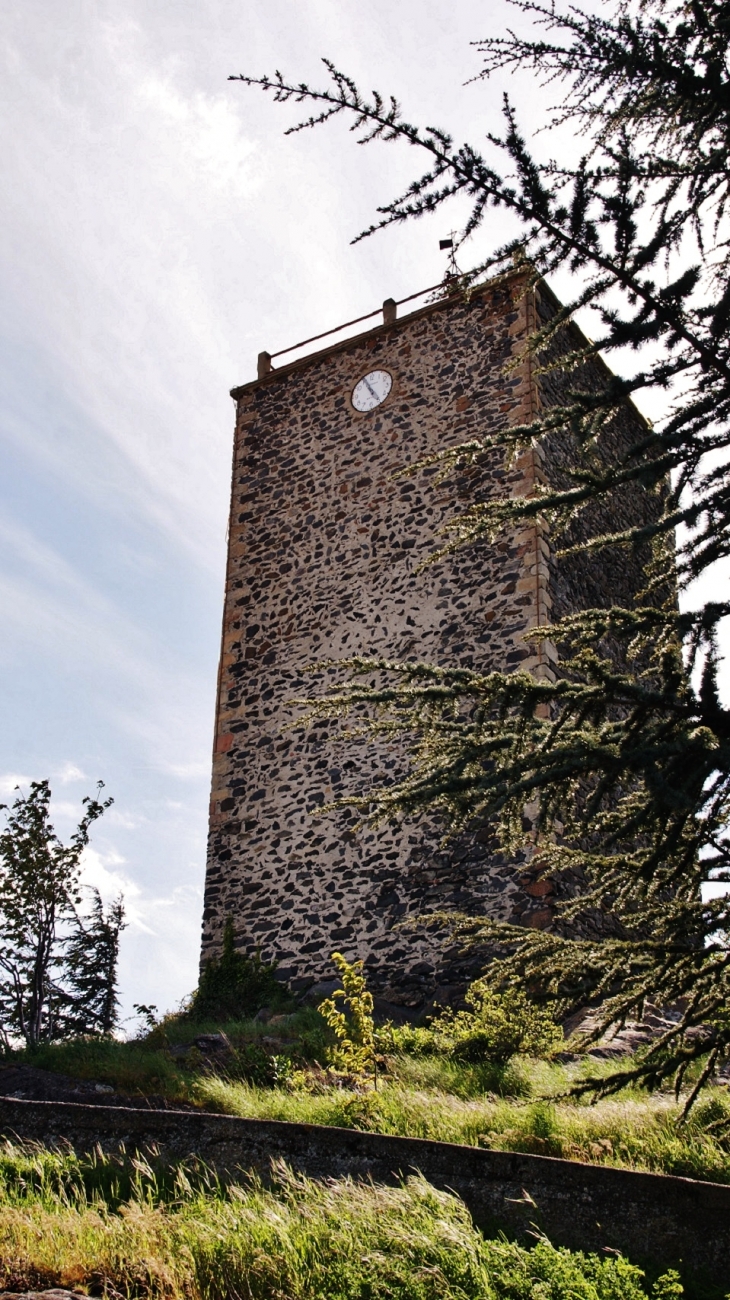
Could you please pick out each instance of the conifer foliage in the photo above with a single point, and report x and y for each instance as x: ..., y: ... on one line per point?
x: 624, y: 758
x: 234, y: 986
x: 58, y: 968
x: 90, y: 959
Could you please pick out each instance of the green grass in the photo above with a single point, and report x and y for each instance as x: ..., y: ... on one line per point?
x: 420, y: 1096
x: 143, y: 1067
x: 116, y: 1228
x: 630, y: 1132
x: 136, y: 1068
x: 63, y: 1223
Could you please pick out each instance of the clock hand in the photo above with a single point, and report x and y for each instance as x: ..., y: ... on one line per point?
x: 370, y: 389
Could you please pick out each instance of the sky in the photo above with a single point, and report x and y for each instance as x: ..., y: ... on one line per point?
x: 159, y: 231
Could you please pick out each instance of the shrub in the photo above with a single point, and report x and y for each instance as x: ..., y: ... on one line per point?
x: 496, y: 1027
x: 234, y: 987
x: 354, y: 1027
x: 252, y: 1064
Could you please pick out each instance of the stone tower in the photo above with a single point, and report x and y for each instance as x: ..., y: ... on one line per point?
x: 324, y: 547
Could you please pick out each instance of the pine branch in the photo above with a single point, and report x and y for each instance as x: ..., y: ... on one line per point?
x: 624, y: 758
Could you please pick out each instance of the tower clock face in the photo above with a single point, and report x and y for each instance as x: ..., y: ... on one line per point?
x: 371, y: 390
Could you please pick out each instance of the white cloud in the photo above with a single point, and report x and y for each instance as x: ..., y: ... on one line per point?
x: 65, y: 809
x: 46, y: 602
x: 146, y: 176
x: 12, y: 783
x: 158, y: 959
x: 69, y: 773
x: 103, y: 871
x: 188, y: 771
x: 122, y: 820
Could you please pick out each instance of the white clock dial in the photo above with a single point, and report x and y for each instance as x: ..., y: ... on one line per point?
x: 371, y: 390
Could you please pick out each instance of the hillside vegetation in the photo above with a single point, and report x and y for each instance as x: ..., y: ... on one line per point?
x: 278, y: 1070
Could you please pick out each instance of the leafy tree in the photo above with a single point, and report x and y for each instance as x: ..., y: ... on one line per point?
x: 39, y: 890
x: 90, y: 960
x: 235, y: 987
x: 625, y: 754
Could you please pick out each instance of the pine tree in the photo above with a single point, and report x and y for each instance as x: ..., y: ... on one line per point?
x: 90, y: 960
x: 625, y: 756
x: 39, y: 890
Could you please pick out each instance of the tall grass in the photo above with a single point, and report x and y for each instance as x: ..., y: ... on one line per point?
x: 298, y: 1240
x: 634, y: 1131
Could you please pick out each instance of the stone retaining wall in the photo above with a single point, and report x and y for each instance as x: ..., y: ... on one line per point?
x: 650, y: 1217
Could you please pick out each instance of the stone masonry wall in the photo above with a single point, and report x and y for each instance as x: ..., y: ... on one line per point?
x: 580, y: 578
x: 324, y: 548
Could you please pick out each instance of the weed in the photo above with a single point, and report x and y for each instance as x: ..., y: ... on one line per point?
x: 138, y: 1068
x: 276, y: 1072
x: 634, y: 1132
